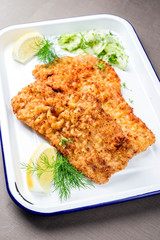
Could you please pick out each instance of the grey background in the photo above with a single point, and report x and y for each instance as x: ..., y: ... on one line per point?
x: 138, y: 219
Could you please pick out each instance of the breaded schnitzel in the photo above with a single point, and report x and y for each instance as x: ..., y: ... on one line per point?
x: 84, y: 73
x: 77, y: 99
x: 99, y: 146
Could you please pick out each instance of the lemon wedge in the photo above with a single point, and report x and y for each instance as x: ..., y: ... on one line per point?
x: 38, y: 182
x: 27, y: 46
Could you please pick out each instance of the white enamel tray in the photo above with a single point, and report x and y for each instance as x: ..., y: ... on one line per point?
x: 142, y: 175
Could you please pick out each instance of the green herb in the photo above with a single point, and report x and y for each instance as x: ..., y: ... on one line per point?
x: 110, y: 33
x: 30, y: 168
x: 100, y: 65
x: 47, y: 167
x: 112, y: 59
x: 46, y: 54
x: 64, y: 141
x: 65, y: 176
x: 131, y: 101
x: 125, y: 86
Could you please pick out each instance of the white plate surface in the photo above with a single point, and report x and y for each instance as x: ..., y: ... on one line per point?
x: 140, y: 178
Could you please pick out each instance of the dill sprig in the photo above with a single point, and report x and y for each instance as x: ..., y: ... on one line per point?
x: 131, y: 100
x: 64, y: 141
x: 30, y: 168
x: 100, y: 65
x: 125, y: 86
x: 44, y: 167
x: 112, y: 59
x: 46, y: 53
x: 65, y: 176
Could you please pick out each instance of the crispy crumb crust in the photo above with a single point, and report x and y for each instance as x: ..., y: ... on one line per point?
x: 78, y: 101
x: 81, y: 74
x: 99, y: 146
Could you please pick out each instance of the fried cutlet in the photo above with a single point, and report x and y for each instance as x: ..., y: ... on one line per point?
x: 86, y: 73
x: 99, y: 146
x: 80, y: 99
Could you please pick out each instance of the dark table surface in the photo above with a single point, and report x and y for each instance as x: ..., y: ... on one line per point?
x: 138, y: 219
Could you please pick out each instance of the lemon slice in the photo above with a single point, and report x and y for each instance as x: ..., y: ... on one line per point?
x: 41, y: 182
x: 27, y: 46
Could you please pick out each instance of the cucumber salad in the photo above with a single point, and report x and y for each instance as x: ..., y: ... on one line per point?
x: 105, y: 46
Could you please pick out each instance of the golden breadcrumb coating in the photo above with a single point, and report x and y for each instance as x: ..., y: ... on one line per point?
x: 81, y: 74
x: 77, y: 100
x: 99, y: 146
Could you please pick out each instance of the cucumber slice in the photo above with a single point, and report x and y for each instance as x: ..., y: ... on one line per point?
x: 94, y: 41
x: 114, y: 47
x: 113, y: 59
x: 123, y: 61
x: 105, y: 46
x: 78, y: 51
x: 96, y: 48
x: 70, y: 41
x: 93, y: 36
x: 115, y: 55
x: 111, y: 38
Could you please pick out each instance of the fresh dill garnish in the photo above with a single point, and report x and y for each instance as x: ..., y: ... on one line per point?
x: 112, y: 59
x: 65, y: 176
x: 64, y: 141
x: 131, y: 101
x: 124, y: 85
x: 110, y: 33
x: 45, y: 166
x: 47, y: 53
x: 31, y: 168
x: 100, y: 65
